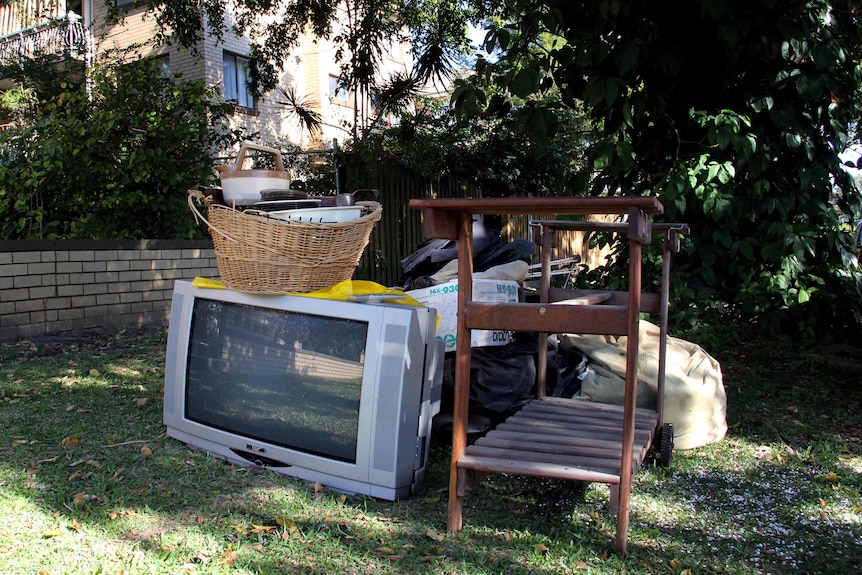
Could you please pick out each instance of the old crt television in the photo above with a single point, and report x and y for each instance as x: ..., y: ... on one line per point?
x: 336, y: 392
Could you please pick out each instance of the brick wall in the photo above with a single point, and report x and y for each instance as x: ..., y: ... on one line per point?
x: 77, y: 286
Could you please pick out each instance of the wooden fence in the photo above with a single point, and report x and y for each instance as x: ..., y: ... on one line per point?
x: 400, y: 230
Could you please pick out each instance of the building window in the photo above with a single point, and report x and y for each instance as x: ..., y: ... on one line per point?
x: 236, y: 80
x: 337, y: 90
x: 163, y: 63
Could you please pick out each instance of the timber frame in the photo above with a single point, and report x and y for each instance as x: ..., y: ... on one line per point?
x: 554, y: 437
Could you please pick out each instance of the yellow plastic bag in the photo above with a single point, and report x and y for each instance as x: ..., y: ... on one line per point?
x: 348, y: 290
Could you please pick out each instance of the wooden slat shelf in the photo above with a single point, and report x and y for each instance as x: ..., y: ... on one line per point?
x: 553, y: 437
x: 568, y: 437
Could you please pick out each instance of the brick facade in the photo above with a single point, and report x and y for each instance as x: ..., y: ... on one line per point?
x: 77, y: 286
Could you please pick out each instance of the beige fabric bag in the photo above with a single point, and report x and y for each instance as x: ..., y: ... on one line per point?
x: 694, y: 398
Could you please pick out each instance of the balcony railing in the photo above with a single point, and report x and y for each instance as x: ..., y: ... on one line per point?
x: 62, y: 37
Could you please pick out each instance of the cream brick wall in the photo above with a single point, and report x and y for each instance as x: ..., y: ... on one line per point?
x: 78, y: 286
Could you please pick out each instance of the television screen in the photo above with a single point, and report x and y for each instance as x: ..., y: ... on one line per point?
x: 284, y: 378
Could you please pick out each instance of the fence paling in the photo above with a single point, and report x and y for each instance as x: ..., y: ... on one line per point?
x: 400, y: 231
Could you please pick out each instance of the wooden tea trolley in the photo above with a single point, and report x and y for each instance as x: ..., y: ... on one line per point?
x: 554, y: 437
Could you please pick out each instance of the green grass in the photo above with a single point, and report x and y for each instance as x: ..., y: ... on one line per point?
x: 89, y: 483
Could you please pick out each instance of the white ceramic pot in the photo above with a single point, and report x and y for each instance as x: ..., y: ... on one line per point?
x: 242, y: 187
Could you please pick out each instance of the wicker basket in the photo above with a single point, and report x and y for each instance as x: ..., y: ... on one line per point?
x: 259, y: 253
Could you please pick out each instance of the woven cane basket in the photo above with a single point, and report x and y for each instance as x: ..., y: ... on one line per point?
x: 259, y: 253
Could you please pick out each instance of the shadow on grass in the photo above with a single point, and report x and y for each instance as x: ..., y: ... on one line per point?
x: 84, y: 451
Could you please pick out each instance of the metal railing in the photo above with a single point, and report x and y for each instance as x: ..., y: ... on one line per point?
x: 62, y: 36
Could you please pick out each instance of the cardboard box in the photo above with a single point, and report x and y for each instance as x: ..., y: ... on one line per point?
x: 444, y: 298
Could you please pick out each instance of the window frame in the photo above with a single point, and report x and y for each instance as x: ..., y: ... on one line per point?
x: 240, y: 95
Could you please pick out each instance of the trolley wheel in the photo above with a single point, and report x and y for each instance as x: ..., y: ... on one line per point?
x: 666, y: 445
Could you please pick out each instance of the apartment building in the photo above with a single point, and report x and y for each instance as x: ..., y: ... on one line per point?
x: 81, y: 30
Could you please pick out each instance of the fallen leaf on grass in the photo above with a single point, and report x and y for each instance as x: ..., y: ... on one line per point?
x: 146, y: 451
x: 71, y: 441
x: 435, y: 535
x: 426, y: 558
x: 318, y: 487
x: 52, y: 533
x: 227, y: 557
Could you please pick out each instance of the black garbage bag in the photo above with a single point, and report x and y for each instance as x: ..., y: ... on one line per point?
x: 489, y: 250
x: 566, y: 367
x: 502, y: 378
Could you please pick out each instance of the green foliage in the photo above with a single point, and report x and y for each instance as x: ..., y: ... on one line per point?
x: 491, y: 149
x: 112, y: 162
x: 734, y: 114
x: 361, y: 31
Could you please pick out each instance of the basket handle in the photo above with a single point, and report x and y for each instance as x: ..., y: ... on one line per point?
x: 199, y: 217
x: 247, y: 145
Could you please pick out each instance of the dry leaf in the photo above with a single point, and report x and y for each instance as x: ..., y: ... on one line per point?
x: 318, y: 487
x: 227, y: 558
x: 146, y: 451
x: 435, y: 535
x: 261, y: 528
x: 52, y: 533
x: 69, y: 441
